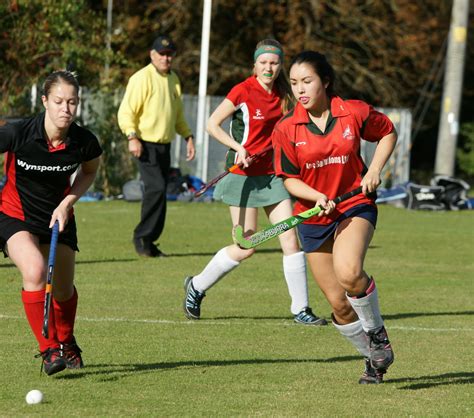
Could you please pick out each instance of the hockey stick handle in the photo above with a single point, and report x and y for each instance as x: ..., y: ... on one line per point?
x: 347, y: 195
x: 54, y: 244
x: 280, y: 227
x: 231, y: 169
x: 49, y: 279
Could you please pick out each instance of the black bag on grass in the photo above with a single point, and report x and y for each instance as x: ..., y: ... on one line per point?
x: 455, y: 191
x: 424, y: 197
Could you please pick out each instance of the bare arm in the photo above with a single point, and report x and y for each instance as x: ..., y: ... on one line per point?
x: 214, y: 128
x: 301, y: 190
x: 83, y: 180
x: 384, y: 149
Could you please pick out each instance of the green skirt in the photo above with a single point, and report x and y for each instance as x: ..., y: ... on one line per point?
x: 251, y: 192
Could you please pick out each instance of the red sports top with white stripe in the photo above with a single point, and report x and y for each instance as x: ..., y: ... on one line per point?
x: 329, y: 161
x: 257, y: 112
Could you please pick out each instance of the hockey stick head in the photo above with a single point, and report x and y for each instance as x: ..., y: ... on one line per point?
x: 264, y: 235
x: 239, y: 239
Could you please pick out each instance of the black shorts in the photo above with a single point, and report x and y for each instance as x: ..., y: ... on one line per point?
x: 313, y: 236
x: 10, y: 226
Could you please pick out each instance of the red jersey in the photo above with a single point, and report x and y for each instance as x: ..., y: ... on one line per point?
x: 252, y: 124
x: 329, y: 162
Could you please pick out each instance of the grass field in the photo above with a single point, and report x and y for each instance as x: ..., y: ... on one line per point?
x: 246, y: 357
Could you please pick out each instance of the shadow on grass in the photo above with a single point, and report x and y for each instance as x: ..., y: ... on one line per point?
x: 417, y: 314
x: 425, y: 382
x: 137, y: 258
x: 126, y: 369
x: 385, y: 317
x: 259, y: 251
x: 103, y: 260
x: 256, y: 318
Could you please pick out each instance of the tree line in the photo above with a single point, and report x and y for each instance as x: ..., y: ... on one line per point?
x: 387, y: 52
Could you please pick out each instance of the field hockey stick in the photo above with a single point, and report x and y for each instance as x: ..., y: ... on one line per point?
x: 215, y: 180
x: 49, y: 280
x: 277, y: 229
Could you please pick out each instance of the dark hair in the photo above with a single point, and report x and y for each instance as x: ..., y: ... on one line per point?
x: 56, y: 77
x: 281, y: 83
x: 321, y: 67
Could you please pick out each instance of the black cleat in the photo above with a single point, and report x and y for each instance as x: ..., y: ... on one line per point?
x: 370, y: 375
x: 381, y: 354
x: 307, y: 317
x: 192, y: 299
x: 72, y: 355
x: 145, y: 248
x: 53, y: 362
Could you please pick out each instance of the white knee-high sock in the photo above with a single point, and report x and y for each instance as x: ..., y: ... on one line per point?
x: 367, y: 308
x: 294, y: 268
x: 355, y: 334
x: 216, y: 269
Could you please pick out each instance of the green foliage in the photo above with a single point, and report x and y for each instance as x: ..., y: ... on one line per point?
x: 117, y: 165
x: 66, y: 34
x: 465, y: 153
x: 245, y: 357
x: 386, y: 68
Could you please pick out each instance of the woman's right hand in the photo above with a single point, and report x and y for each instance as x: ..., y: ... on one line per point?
x: 242, y: 156
x: 327, y: 205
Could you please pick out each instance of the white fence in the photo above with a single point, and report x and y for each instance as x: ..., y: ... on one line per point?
x: 210, y: 156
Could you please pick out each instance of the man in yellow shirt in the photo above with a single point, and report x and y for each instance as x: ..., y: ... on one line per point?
x: 150, y: 115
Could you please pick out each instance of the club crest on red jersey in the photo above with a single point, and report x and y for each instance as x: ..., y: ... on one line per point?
x: 348, y: 134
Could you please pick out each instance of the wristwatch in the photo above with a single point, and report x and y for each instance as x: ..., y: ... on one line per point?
x: 132, y: 135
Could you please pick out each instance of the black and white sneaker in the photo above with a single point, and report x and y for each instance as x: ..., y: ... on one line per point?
x: 370, y: 375
x: 307, y: 317
x: 192, y: 299
x: 381, y: 353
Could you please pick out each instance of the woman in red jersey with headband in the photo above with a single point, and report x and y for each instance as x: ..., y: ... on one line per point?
x: 255, y: 105
x: 317, y: 153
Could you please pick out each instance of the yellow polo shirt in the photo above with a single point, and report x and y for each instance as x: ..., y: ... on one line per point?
x: 152, y: 107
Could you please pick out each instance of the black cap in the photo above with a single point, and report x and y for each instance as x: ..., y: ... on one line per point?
x: 163, y: 44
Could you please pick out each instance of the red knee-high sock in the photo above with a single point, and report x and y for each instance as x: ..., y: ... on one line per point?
x: 33, y: 302
x: 64, y: 317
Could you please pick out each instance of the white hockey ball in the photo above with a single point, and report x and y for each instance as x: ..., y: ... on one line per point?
x: 34, y: 396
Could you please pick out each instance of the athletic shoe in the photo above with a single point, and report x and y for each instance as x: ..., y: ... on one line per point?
x: 381, y: 354
x: 145, y: 248
x: 370, y: 375
x: 307, y: 317
x: 53, y: 362
x: 192, y: 299
x: 72, y: 355
x: 156, y: 252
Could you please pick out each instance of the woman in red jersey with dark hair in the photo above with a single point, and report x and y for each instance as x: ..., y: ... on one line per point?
x: 44, y: 151
x: 254, y: 105
x: 317, y: 152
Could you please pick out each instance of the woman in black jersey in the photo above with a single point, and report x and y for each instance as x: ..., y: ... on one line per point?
x: 43, y: 152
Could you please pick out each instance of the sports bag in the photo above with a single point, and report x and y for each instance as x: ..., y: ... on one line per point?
x: 424, y: 197
x: 455, y: 191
